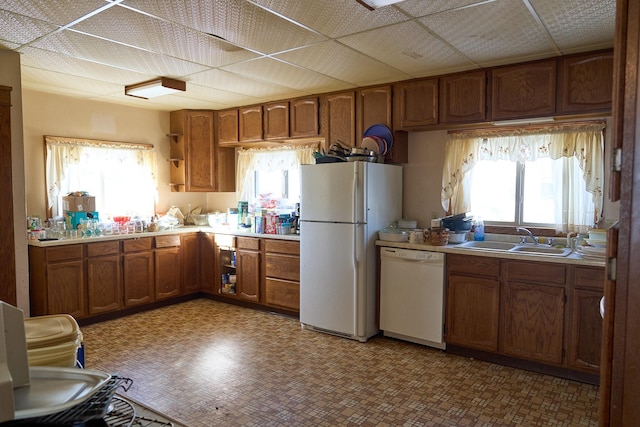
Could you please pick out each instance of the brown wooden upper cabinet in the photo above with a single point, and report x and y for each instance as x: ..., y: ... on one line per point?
x: 373, y: 106
x: 196, y: 162
x: 463, y: 97
x: 250, y: 119
x: 227, y: 127
x: 338, y: 112
x: 524, y: 90
x: 304, y: 117
x: 276, y: 120
x: 587, y: 82
x: 417, y: 103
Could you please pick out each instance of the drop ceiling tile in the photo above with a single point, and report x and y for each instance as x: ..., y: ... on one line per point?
x: 334, y: 18
x: 492, y: 32
x: 238, y: 21
x: 160, y: 36
x: 57, y: 12
x: 81, y: 46
x: 582, y: 24
x: 278, y: 72
x: 419, y: 8
x: 230, y: 82
x: 226, y: 98
x: 410, y: 48
x: 343, y: 63
x: 19, y: 29
x: 60, y: 63
x: 50, y: 81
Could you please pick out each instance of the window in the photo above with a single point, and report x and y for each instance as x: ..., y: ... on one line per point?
x: 122, y: 177
x: 541, y: 176
x: 270, y: 177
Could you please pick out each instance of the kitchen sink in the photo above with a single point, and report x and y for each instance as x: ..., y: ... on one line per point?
x: 542, y: 250
x: 488, y: 244
x: 515, y: 247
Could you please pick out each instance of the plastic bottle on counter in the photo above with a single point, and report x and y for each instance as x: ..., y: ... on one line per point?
x: 478, y: 231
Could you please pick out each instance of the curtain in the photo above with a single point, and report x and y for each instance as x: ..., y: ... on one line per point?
x: 267, y: 159
x: 582, y: 140
x: 135, y: 164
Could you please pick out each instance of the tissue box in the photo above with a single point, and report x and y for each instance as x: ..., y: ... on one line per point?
x: 79, y: 203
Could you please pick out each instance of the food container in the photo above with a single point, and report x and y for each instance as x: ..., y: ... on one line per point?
x: 407, y: 223
x: 438, y: 236
x: 53, y: 340
x: 458, y: 236
x: 416, y: 235
x: 393, y: 235
x: 200, y: 219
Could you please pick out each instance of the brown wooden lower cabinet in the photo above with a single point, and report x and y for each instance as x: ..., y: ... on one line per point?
x: 546, y: 313
x: 248, y: 268
x: 207, y: 262
x: 138, y: 272
x: 282, y: 274
x: 190, y: 261
x: 104, y: 277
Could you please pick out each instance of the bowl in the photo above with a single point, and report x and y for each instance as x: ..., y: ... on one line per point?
x: 393, y: 235
x: 458, y: 236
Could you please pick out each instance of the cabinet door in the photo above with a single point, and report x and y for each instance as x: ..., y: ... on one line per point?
x: 276, y: 120
x: 65, y: 289
x: 138, y: 278
x: 418, y: 103
x: 525, y: 90
x: 373, y: 107
x: 587, y: 83
x: 227, y: 126
x: 339, y: 118
x: 250, y: 123
x: 473, y: 314
x: 190, y: 273
x: 8, y: 291
x: 534, y: 322
x: 207, y: 255
x: 463, y: 97
x: 248, y: 271
x: 282, y: 293
x: 586, y: 331
x: 168, y: 272
x: 104, y: 284
x: 304, y: 118
x: 200, y: 166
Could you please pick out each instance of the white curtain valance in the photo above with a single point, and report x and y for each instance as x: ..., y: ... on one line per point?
x: 583, y: 140
x: 266, y: 159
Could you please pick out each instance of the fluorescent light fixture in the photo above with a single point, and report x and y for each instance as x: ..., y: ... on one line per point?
x: 156, y: 87
x: 374, y: 4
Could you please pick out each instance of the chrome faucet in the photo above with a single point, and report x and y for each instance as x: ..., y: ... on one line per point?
x: 526, y: 230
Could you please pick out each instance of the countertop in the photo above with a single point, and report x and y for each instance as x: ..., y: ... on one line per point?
x: 176, y: 230
x: 572, y: 259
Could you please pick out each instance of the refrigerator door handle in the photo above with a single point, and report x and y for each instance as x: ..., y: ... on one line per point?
x: 360, y: 297
x: 355, y: 195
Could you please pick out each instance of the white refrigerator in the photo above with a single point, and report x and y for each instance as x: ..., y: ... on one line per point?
x: 342, y: 208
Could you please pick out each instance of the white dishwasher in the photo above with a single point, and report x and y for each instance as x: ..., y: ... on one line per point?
x: 412, y: 296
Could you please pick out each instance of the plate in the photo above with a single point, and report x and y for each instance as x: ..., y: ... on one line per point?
x: 374, y: 143
x: 596, y: 243
x: 54, y: 389
x: 383, y: 132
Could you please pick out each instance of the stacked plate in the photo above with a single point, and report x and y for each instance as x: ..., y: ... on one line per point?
x: 377, y: 138
x: 595, y: 247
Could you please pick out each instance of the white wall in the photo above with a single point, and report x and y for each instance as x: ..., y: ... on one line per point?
x: 51, y: 114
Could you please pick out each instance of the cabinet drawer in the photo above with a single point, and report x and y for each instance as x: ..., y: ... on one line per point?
x: 248, y: 243
x: 104, y: 248
x: 167, y: 241
x: 589, y: 278
x: 282, y: 293
x: 282, y: 266
x: 282, y: 246
x: 535, y: 272
x: 475, y: 265
x: 62, y: 253
x: 135, y: 245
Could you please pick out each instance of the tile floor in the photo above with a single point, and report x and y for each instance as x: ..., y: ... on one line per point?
x: 206, y: 363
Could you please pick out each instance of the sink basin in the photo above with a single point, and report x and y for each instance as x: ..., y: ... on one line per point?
x: 514, y: 247
x: 488, y: 244
x: 542, y: 250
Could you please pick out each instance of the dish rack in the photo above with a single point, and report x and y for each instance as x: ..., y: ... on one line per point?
x: 103, y: 405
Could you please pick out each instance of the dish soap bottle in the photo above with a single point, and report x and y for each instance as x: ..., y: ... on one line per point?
x: 478, y: 231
